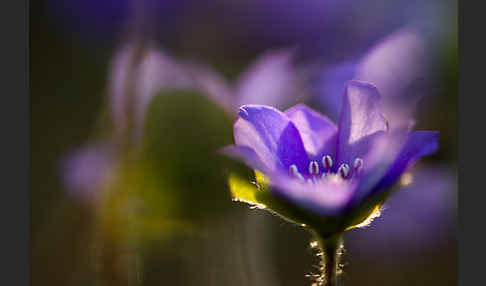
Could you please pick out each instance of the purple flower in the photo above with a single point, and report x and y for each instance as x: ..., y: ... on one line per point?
x: 328, y: 169
x: 424, y: 209
x: 152, y: 72
x: 273, y: 79
x: 398, y: 65
x: 335, y: 30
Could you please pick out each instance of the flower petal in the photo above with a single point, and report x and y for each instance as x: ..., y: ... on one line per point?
x: 272, y: 80
x: 330, y: 86
x: 425, y: 204
x: 141, y: 77
x: 246, y: 155
x: 360, y: 117
x: 213, y: 84
x: 418, y: 144
x: 271, y: 135
x: 318, y: 133
x: 325, y: 197
x: 398, y: 65
x: 390, y: 156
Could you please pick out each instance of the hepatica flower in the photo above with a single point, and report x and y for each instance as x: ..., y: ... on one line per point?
x: 325, y: 176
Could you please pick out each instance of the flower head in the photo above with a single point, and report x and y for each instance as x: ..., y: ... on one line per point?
x: 329, y: 170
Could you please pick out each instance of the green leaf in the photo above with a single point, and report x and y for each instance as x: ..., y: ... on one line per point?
x: 183, y: 132
x: 243, y: 191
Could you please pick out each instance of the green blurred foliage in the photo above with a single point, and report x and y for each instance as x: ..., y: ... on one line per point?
x: 183, y: 133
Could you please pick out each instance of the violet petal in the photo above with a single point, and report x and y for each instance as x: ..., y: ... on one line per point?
x: 419, y: 143
x: 271, y: 135
x: 360, y: 117
x: 318, y: 132
x: 271, y: 80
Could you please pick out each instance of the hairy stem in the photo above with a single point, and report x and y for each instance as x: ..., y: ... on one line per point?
x: 330, y: 259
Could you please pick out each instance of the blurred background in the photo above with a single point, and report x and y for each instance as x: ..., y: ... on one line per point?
x: 131, y: 100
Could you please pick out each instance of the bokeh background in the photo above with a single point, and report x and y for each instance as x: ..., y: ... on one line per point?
x: 107, y: 210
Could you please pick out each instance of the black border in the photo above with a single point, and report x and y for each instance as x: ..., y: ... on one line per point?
x: 15, y: 206
x: 472, y: 192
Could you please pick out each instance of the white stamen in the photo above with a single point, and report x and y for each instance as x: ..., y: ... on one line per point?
x: 293, y: 169
x: 358, y: 165
x: 313, y: 168
x: 295, y: 172
x: 327, y: 162
x: 343, y: 170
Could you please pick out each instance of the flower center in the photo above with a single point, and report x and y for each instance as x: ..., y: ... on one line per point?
x: 342, y: 173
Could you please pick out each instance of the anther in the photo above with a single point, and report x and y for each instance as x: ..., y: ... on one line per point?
x: 358, y: 165
x: 313, y: 168
x: 327, y: 162
x: 343, y: 170
x: 295, y: 172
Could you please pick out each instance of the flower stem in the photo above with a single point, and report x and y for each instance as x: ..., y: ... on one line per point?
x: 330, y: 259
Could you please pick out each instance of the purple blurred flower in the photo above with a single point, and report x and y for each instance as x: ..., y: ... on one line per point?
x: 334, y: 29
x: 420, y: 216
x: 86, y: 171
x: 149, y: 73
x: 398, y: 66
x: 322, y: 167
x: 273, y: 79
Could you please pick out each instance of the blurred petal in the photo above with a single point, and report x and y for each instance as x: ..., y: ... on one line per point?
x: 360, y: 117
x: 156, y: 71
x: 330, y: 86
x: 271, y: 135
x: 271, y: 80
x: 85, y: 171
x: 394, y: 63
x: 213, y: 85
x: 420, y: 215
x: 318, y: 133
x: 398, y: 67
x: 153, y: 71
x: 118, y: 75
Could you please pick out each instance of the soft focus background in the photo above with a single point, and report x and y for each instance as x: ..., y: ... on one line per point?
x: 125, y: 195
